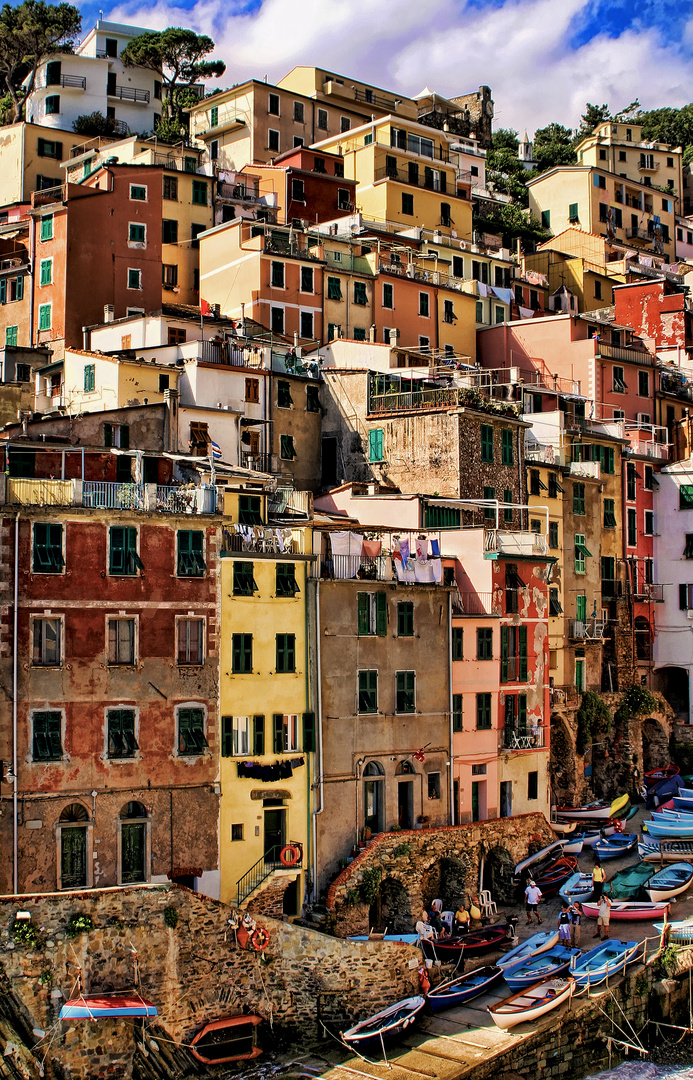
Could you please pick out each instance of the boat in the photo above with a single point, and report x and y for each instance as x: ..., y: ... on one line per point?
x: 596, y: 811
x: 685, y: 793
x: 563, y: 828
x: 100, y: 1006
x: 538, y: 857
x: 546, y: 965
x: 664, y: 850
x: 665, y: 827
x: 385, y: 1025
x: 613, y: 847
x: 233, y: 1038
x: 573, y: 846
x: 589, y: 837
x: 537, y: 943
x: 475, y: 943
x: 682, y: 805
x: 556, y: 874
x: 579, y: 886
x: 605, y: 959
x: 464, y: 987
x: 671, y: 881
x: 633, y: 910
x: 628, y: 884
x: 655, y: 776
x: 663, y: 791
x: 669, y: 812
x: 407, y: 939
x: 680, y: 933
x: 531, y: 1003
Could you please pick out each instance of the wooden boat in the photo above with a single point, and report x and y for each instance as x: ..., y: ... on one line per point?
x: 464, y: 987
x: 670, y: 881
x: 233, y: 1038
x: 97, y: 1007
x: 475, y: 943
x: 629, y: 910
x: 579, y: 886
x: 628, y: 884
x: 685, y: 793
x: 573, y: 845
x: 385, y: 1025
x: 597, y: 811
x: 538, y: 857
x: 589, y: 837
x: 564, y: 828
x: 546, y: 965
x: 684, y: 806
x: 655, y: 776
x: 613, y: 847
x: 668, y: 828
x: 605, y: 959
x: 680, y: 933
x: 669, y: 812
x: 407, y: 939
x: 531, y: 1003
x: 550, y: 879
x: 663, y: 791
x: 664, y: 850
x: 537, y: 943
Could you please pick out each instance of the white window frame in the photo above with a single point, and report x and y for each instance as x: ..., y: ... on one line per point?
x: 282, y: 308
x: 311, y: 312
x: 187, y: 619
x: 123, y: 617
x: 205, y: 728
x: 63, y: 728
x: 137, y: 270
x: 290, y: 737
x: 139, y: 245
x: 241, y: 736
x: 45, y: 329
x: 48, y: 616
x: 300, y: 280
x: 146, y: 192
x: 631, y: 510
x: 649, y: 521
x: 423, y: 315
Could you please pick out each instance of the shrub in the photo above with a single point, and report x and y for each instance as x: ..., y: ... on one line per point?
x: 403, y: 849
x: 79, y: 924
x: 635, y: 700
x: 46, y: 977
x: 25, y: 933
x: 92, y: 124
x: 593, y: 719
x: 370, y: 885
x: 171, y: 917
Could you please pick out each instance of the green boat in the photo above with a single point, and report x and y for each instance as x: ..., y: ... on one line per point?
x: 628, y: 884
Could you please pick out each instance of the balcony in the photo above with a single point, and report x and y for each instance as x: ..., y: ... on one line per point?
x: 418, y: 178
x: 438, y: 398
x: 77, y: 82
x: 127, y: 93
x: 186, y: 500
x: 604, y: 351
x: 586, y: 629
x: 522, y: 738
x: 262, y: 463
x: 677, y: 384
x: 590, y: 470
x: 648, y: 592
x: 639, y: 234
x: 286, y: 502
x: 363, y: 567
x: 416, y: 273
x: 48, y: 196
x: 228, y: 354
x: 101, y: 495
x: 37, y: 492
x: 528, y: 544
x: 237, y: 193
x: 475, y: 603
x: 648, y: 448
x: 544, y: 455
x: 648, y: 164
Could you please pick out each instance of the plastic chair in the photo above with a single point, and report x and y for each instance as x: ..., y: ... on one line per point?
x: 487, y: 905
x: 447, y: 918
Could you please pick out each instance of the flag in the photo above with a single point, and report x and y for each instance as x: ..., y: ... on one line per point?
x: 216, y: 450
x: 205, y: 308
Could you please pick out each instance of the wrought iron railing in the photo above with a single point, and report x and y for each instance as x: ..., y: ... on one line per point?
x: 523, y: 737
x: 100, y: 495
x: 186, y: 500
x: 474, y: 603
x: 264, y: 868
x: 128, y: 93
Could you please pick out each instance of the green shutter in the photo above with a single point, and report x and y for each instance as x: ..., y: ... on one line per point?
x: 20, y: 288
x: 3, y: 290
x: 278, y: 733
x: 227, y: 736
x: 504, y: 654
x: 381, y: 614
x: 523, y: 653
x: 486, y: 442
x: 522, y: 710
x: 259, y: 735
x: 363, y: 606
x: 309, y: 733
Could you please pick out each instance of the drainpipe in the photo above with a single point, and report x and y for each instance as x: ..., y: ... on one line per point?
x: 318, y: 717
x: 32, y: 258
x: 520, y: 469
x: 451, y: 781
x: 308, y: 844
x: 15, y: 662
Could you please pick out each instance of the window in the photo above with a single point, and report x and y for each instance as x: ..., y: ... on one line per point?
x: 688, y: 550
x: 573, y: 212
x: 11, y: 342
x: 608, y: 577
x: 334, y: 288
x: 609, y: 513
x: 190, y: 641
x: 169, y: 275
x: 46, y: 645
x: 649, y: 523
x: 619, y: 382
x: 458, y: 643
x: 343, y: 199
x: 632, y: 527
x: 507, y: 454
x: 199, y: 192
x: 483, y: 711
x: 134, y: 279
x: 136, y: 234
x: 47, y: 741
x: 484, y: 643
x: 121, y: 641
x: 322, y: 119
x: 169, y: 231
x: 546, y: 219
x: 285, y: 583
x: 47, y: 227
x: 273, y: 106
x: 581, y: 553
x: 241, y: 654
x: 299, y: 113
x: 375, y: 445
x: 457, y: 701
x: 631, y: 477
x: 597, y: 289
x: 48, y: 549
x: 368, y: 692
x: 405, y: 692
x: 50, y: 149
x: 360, y: 295
x: 191, y: 732
x: 243, y: 580
x: 307, y: 279
x: 686, y: 497
x: 191, y: 561
x: 649, y: 483
x: 277, y: 275
x: 249, y: 510
x: 643, y: 384
x: 277, y: 320
x: 553, y: 534
x: 312, y: 399
x: 434, y: 785
x: 273, y: 140
x: 500, y: 315
x: 407, y: 203
x: 344, y: 123
x: 608, y: 459
x: 479, y: 311
x: 554, y: 603
x: 138, y: 193
x: 286, y: 653
x: 405, y: 619
x: 286, y: 448
x: 171, y: 189
x: 252, y: 390
x: 44, y: 316
x: 116, y: 435
x: 578, y: 499
x: 284, y: 398
x: 448, y: 312
x: 53, y: 105
x: 123, y: 557
x: 307, y: 325
x: 372, y: 613
x: 486, y: 442
x: 121, y: 733
x: 532, y: 785
x: 297, y: 190
x: 423, y: 304
x: 46, y: 272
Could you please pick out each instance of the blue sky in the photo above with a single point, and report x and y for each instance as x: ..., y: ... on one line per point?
x: 543, y: 59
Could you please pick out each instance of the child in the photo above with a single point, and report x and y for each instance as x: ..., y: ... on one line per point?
x: 564, y: 924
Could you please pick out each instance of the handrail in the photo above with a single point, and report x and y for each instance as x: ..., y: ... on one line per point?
x: 264, y: 868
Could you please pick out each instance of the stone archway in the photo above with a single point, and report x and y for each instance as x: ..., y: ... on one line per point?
x: 655, y: 744
x: 499, y: 869
x: 392, y: 908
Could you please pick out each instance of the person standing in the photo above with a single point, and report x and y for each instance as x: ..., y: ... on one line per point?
x: 603, y: 916
x: 598, y: 879
x: 575, y: 922
x: 564, y: 924
x: 533, y: 895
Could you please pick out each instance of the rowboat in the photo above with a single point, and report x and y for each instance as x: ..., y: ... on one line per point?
x: 669, y: 812
x: 607, y: 958
x: 682, y: 805
x: 564, y: 828
x: 546, y: 965
x: 550, y: 879
x: 474, y: 943
x: 232, y: 1038
x: 579, y: 886
x: 663, y: 791
x: 464, y: 987
x: 671, y: 881
x: 597, y: 811
x: 633, y: 910
x: 613, y: 847
x: 407, y: 939
x: 537, y: 943
x: 385, y: 1025
x: 573, y: 845
x: 539, y: 856
x: 685, y: 793
x: 589, y: 837
x: 628, y: 884
x: 654, y: 777
x: 665, y: 850
x: 97, y: 1007
x: 674, y: 828
x: 531, y: 1003
x: 681, y: 933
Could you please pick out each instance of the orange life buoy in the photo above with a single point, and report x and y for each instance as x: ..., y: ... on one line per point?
x: 290, y: 855
x: 424, y: 981
x: 260, y: 939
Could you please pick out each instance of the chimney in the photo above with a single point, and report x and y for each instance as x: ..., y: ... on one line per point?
x: 171, y: 421
x: 394, y: 338
x: 371, y: 334
x: 108, y: 313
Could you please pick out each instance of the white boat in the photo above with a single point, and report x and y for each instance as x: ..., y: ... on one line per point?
x: 537, y: 943
x: 573, y: 846
x: 538, y: 856
x: 531, y: 1003
x: 670, y: 881
x: 665, y: 827
x: 564, y: 828
x: 598, y: 811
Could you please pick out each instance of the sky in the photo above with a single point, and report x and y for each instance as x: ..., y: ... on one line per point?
x: 543, y: 59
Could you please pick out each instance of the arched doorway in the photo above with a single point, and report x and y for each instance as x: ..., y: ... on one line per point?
x: 134, y: 855
x: 74, y: 847
x: 373, y: 796
x: 405, y: 795
x: 391, y: 908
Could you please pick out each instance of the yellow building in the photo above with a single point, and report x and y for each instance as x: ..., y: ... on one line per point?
x: 267, y: 726
x: 93, y: 382
x: 30, y: 157
x: 577, y: 260
x: 619, y: 147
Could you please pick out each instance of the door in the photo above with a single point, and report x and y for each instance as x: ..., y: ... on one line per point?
x: 329, y: 461
x: 133, y: 841
x: 580, y: 675
x: 475, y: 800
x: 506, y: 798
x: 373, y: 805
x: 73, y: 858
x: 150, y: 470
x: 405, y: 804
x: 275, y: 833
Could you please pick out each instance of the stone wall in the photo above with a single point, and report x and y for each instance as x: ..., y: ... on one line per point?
x: 193, y: 972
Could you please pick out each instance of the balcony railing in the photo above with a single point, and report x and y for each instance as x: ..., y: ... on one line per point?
x: 286, y: 502
x: 443, y: 397
x: 497, y: 541
x: 605, y: 351
x: 264, y: 463
x: 586, y: 629
x: 474, y: 603
x: 591, y: 470
x: 522, y: 738
x: 438, y: 182
x: 562, y: 696
x: 236, y: 192
x: 101, y: 495
x: 33, y: 491
x: 225, y: 352
x: 363, y: 567
x: 546, y: 455
x: 650, y: 592
x: 649, y: 448
x: 128, y: 93
x: 638, y: 234
x: 186, y: 500
x: 48, y: 195
x: 79, y: 82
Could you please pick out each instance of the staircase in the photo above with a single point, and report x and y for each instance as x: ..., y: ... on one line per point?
x: 267, y: 871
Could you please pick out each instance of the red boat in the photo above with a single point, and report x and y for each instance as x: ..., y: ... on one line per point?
x: 556, y: 874
x: 230, y: 1039
x: 657, y: 775
x: 472, y: 944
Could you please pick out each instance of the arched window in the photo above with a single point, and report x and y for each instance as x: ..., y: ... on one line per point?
x: 134, y: 844
x: 373, y: 796
x: 373, y: 768
x: 73, y: 836
x: 134, y: 810
x: 405, y: 768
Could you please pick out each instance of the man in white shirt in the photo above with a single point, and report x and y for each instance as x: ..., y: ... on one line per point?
x: 533, y: 895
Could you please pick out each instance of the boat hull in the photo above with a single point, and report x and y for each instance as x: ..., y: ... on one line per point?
x: 615, y: 846
x: 604, y: 960
x: 651, y: 850
x: 628, y: 911
x: 532, y: 946
x: 680, y: 933
x: 531, y: 1003
x: 577, y: 887
x: 549, y: 965
x: 465, y: 988
x: 475, y: 943
x: 109, y: 1005
x: 674, y: 829
x: 228, y: 1039
x: 671, y: 881
x: 596, y: 812
x: 384, y: 1026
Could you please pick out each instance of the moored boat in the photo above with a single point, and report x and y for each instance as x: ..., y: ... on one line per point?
x: 670, y: 881
x: 668, y: 828
x: 546, y: 965
x: 475, y: 943
x: 539, y: 856
x: 556, y: 874
x: 531, y: 1003
x: 537, y: 943
x: 629, y: 910
x: 564, y: 828
x: 406, y: 939
x: 628, y: 884
x: 655, y: 776
x: 100, y: 1006
x: 613, y: 847
x: 680, y: 933
x: 684, y: 806
x: 232, y: 1038
x: 464, y: 987
x: 654, y: 851
x: 605, y: 959
x: 589, y: 837
x: 579, y: 886
x: 597, y: 811
x: 385, y: 1025
x: 573, y: 845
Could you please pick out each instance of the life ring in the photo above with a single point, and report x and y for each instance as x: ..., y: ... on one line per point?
x: 260, y: 939
x: 290, y: 855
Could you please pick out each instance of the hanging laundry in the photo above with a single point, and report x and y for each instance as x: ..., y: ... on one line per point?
x: 423, y: 572
x: 422, y: 549
x: 402, y: 573
x: 526, y: 312
x: 437, y: 570
x: 645, y: 260
x: 347, y: 548
x: 435, y: 547
x: 372, y: 548
x: 404, y: 551
x: 484, y: 289
x: 505, y: 295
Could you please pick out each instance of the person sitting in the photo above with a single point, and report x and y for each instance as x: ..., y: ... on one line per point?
x: 424, y: 928
x: 462, y: 920
x: 435, y: 920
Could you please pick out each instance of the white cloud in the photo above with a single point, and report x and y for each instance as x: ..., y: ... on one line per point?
x: 520, y: 49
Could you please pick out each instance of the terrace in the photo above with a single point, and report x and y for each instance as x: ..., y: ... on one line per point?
x: 102, y: 495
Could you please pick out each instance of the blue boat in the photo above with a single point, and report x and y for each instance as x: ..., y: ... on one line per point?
x: 546, y: 965
x: 612, y: 847
x: 578, y: 887
x: 408, y: 939
x: 670, y: 881
x: 683, y: 805
x: 537, y: 943
x: 681, y: 932
x: 385, y: 1025
x: 669, y: 827
x: 607, y: 958
x: 664, y: 791
x: 102, y: 1006
x: 464, y: 987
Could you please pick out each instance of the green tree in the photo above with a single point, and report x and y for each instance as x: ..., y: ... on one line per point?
x: 29, y: 33
x: 512, y: 222
x: 553, y: 145
x: 593, y: 116
x: 507, y: 174
x: 178, y: 55
x: 505, y: 139
x: 92, y: 124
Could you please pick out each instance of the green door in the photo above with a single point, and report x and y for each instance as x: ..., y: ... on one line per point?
x: 133, y: 850
x: 275, y: 834
x: 580, y: 675
x: 73, y: 858
x: 475, y: 800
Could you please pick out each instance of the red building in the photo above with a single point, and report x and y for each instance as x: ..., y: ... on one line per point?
x: 309, y: 186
